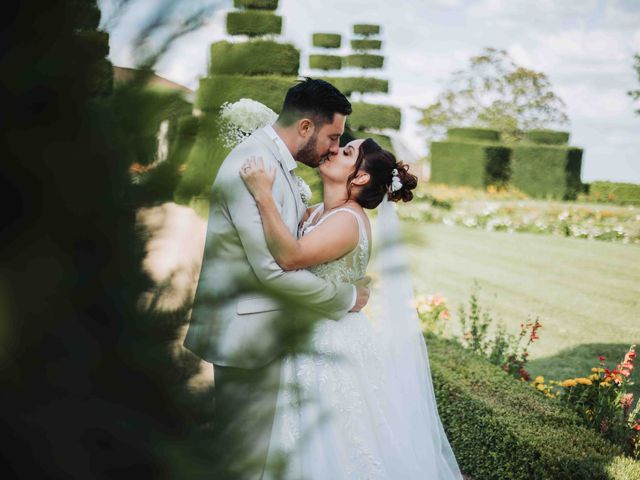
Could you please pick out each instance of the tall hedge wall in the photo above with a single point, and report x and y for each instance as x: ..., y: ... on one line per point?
x: 366, y: 44
x: 327, y: 40
x: 256, y: 57
x: 325, y: 62
x: 216, y: 90
x: 253, y: 23
x: 256, y: 4
x: 366, y: 29
x: 547, y: 137
x: 615, y: 192
x: 364, y: 60
x: 367, y: 115
x: 467, y: 133
x: 501, y: 428
x: 467, y: 163
x: 348, y: 85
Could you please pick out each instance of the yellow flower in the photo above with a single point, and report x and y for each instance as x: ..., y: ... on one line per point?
x: 568, y: 383
x: 583, y: 381
x: 539, y: 379
x: 594, y: 377
x: 540, y: 387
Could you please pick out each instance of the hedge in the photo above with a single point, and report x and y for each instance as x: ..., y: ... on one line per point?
x: 475, y: 134
x: 616, y: 192
x: 366, y: 44
x: 501, y: 428
x: 256, y: 57
x: 364, y: 60
x: 348, y: 85
x: 383, y: 140
x: 256, y: 4
x: 253, y: 23
x: 366, y: 29
x: 366, y: 115
x: 217, y: 89
x: 325, y: 62
x: 474, y: 164
x: 547, y: 171
x: 327, y: 40
x: 547, y: 137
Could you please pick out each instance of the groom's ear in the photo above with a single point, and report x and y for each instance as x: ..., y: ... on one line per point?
x: 306, y: 127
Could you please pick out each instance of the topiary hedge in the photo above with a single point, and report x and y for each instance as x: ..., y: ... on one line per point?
x: 366, y: 29
x: 367, y: 115
x: 475, y: 134
x: 616, y: 192
x: 547, y: 137
x: 364, y: 60
x: 383, y: 140
x: 325, y: 62
x: 216, y: 90
x: 474, y: 164
x: 348, y: 85
x: 501, y: 428
x: 366, y: 44
x: 256, y: 57
x: 327, y: 40
x: 253, y: 23
x: 547, y: 171
x: 256, y: 4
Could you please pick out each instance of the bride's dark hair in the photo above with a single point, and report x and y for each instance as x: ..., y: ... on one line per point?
x: 379, y: 164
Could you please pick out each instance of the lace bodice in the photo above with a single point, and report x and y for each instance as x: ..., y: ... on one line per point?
x: 350, y: 267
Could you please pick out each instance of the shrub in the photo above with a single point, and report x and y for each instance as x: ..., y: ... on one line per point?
x: 476, y: 134
x: 383, y: 140
x: 256, y: 4
x: 367, y: 115
x: 327, y: 40
x: 257, y: 57
x: 364, y: 60
x: 547, y: 137
x: 366, y: 44
x: 614, y: 192
x: 348, y: 85
x: 217, y: 89
x: 253, y: 23
x: 325, y: 62
x: 366, y: 29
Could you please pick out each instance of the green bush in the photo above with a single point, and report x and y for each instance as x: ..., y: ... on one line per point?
x: 325, y: 62
x: 501, y: 428
x: 366, y: 44
x: 615, y: 192
x: 546, y: 171
x: 256, y: 57
x: 364, y: 60
x: 548, y: 137
x: 217, y: 89
x: 366, y: 29
x: 467, y: 163
x: 253, y: 23
x: 475, y: 134
x: 348, y: 85
x: 327, y: 40
x: 383, y: 140
x: 256, y: 4
x: 367, y: 115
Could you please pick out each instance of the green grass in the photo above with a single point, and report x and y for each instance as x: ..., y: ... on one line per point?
x: 586, y: 293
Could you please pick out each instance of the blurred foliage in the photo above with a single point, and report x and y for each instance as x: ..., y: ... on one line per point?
x: 325, y: 62
x: 635, y: 94
x: 326, y: 40
x: 253, y: 23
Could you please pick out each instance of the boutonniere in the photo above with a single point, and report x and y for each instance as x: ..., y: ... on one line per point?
x: 303, y: 188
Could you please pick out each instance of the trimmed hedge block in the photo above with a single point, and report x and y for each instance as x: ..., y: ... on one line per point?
x: 366, y: 44
x: 327, y: 40
x: 257, y: 57
x: 547, y: 137
x: 545, y: 171
x: 215, y: 90
x: 473, y: 134
x: 473, y: 164
x: 616, y: 192
x: 383, y: 140
x: 366, y: 115
x: 366, y: 29
x: 348, y: 85
x: 325, y: 62
x: 256, y: 4
x: 364, y: 60
x: 253, y: 23
x: 501, y: 428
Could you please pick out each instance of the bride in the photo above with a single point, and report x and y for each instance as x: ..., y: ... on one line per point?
x: 362, y: 405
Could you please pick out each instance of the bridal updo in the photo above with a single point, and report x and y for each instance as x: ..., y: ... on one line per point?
x: 380, y: 164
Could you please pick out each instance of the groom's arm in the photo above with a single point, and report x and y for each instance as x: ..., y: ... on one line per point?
x: 331, y: 299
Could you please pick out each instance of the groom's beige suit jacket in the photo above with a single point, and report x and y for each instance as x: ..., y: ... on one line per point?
x: 231, y: 330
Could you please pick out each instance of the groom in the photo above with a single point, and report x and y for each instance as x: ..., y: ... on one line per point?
x: 236, y: 333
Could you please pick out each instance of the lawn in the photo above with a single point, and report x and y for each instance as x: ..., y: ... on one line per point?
x: 586, y: 293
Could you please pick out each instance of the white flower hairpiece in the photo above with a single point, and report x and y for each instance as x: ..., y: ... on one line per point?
x: 240, y: 119
x: 396, y: 184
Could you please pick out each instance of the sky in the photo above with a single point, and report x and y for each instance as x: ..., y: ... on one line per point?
x: 585, y: 47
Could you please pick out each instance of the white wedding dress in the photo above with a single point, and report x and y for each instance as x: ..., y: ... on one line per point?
x: 340, y: 415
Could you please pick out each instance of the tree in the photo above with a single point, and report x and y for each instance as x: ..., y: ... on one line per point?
x: 494, y: 92
x: 635, y: 94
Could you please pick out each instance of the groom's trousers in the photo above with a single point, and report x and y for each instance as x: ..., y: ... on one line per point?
x: 245, y: 402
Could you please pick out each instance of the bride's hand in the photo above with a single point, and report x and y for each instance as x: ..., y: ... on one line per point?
x: 258, y: 179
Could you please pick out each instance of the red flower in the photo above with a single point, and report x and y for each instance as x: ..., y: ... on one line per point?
x: 601, y: 358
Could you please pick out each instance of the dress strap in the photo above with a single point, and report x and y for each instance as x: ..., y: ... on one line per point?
x: 361, y: 226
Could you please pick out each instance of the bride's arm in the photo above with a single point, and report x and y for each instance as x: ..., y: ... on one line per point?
x: 332, y: 239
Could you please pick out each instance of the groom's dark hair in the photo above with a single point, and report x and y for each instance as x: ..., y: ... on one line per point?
x: 315, y: 99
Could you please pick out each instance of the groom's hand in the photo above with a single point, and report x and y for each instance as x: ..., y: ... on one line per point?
x: 362, y: 289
